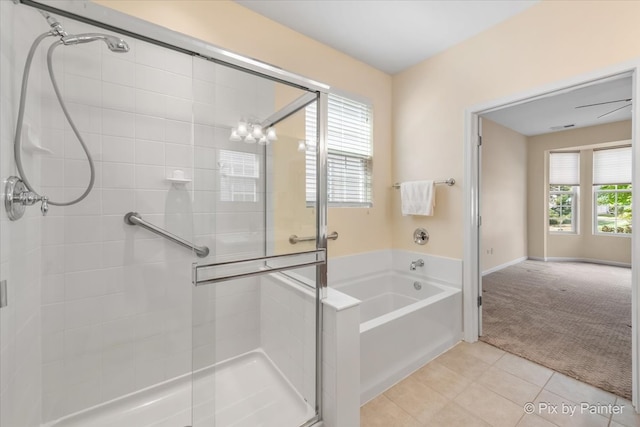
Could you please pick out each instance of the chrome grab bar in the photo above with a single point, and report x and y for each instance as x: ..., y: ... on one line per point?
x: 293, y: 239
x: 134, y: 218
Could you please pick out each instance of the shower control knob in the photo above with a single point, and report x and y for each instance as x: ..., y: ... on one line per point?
x: 17, y: 196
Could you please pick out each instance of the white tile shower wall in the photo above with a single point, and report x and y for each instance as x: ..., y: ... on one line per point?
x: 287, y: 333
x: 117, y: 300
x: 20, y: 332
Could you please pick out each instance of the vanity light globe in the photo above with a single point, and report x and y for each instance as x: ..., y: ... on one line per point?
x: 242, y: 129
x: 263, y: 140
x: 257, y: 132
x: 234, y: 136
x: 271, y: 134
x: 249, y: 139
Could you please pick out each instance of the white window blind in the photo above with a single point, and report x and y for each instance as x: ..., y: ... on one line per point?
x: 349, y: 161
x: 612, y: 166
x: 564, y: 168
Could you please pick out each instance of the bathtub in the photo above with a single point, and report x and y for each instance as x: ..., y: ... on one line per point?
x: 405, y: 321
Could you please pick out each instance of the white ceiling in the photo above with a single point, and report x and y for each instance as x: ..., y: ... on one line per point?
x: 541, y: 115
x: 390, y: 35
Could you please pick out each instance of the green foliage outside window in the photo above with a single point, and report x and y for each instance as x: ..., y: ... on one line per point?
x: 613, y: 208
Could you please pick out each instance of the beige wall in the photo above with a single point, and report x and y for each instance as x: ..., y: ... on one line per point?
x: 583, y: 244
x: 503, y: 204
x: 229, y: 25
x: 550, y: 41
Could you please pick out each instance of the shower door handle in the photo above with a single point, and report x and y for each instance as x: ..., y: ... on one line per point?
x: 230, y: 270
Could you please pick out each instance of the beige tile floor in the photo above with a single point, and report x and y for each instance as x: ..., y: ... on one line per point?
x: 479, y: 385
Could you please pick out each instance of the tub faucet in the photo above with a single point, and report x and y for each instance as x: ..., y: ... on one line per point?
x: 416, y: 263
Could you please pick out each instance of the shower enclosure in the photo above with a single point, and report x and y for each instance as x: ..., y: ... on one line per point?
x: 169, y: 295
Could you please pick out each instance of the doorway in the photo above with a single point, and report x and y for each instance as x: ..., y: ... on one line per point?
x: 473, y: 156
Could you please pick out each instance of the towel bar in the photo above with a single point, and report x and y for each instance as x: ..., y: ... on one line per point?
x: 449, y: 182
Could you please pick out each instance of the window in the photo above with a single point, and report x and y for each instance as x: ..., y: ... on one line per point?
x: 612, y: 192
x: 239, y: 173
x: 564, y: 178
x: 562, y: 208
x: 349, y: 161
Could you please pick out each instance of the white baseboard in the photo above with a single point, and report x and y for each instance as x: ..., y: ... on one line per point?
x: 505, y: 265
x: 589, y: 260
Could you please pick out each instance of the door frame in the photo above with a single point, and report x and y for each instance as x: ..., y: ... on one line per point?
x: 471, y: 214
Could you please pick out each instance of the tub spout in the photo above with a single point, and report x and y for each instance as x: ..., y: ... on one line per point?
x: 416, y: 263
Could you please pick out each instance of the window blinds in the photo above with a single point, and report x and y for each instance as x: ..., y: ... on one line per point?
x: 564, y: 168
x: 612, y: 166
x: 349, y: 161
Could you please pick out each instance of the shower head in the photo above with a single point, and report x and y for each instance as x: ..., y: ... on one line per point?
x: 114, y: 44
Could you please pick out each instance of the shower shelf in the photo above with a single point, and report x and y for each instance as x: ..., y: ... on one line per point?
x: 178, y: 177
x: 179, y: 180
x: 31, y: 141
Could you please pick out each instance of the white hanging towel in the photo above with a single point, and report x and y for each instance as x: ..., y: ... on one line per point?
x: 418, y: 197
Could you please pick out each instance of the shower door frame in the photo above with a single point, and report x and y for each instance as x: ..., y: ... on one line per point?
x: 112, y: 20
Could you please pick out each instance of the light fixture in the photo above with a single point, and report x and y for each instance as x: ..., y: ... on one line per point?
x: 242, y: 129
x: 302, y: 145
x: 251, y: 133
x: 257, y: 131
x: 271, y: 134
x: 234, y: 136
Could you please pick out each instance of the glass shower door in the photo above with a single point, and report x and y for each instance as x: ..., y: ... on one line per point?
x: 255, y: 299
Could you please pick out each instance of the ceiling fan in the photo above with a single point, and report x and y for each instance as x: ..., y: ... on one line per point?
x: 629, y: 100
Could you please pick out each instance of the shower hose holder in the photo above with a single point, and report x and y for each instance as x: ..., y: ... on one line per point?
x: 17, y: 197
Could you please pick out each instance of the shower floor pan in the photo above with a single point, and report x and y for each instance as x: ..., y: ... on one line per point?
x: 245, y: 391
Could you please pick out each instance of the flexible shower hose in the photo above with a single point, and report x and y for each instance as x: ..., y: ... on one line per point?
x: 17, y: 143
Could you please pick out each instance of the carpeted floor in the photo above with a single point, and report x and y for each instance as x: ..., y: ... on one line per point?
x: 572, y: 317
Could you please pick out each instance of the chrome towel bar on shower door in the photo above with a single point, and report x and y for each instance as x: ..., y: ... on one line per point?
x: 134, y: 218
x: 243, y: 268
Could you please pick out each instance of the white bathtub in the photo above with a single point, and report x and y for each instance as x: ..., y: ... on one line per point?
x: 401, y: 327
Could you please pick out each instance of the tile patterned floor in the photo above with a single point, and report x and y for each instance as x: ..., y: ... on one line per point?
x: 479, y: 385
